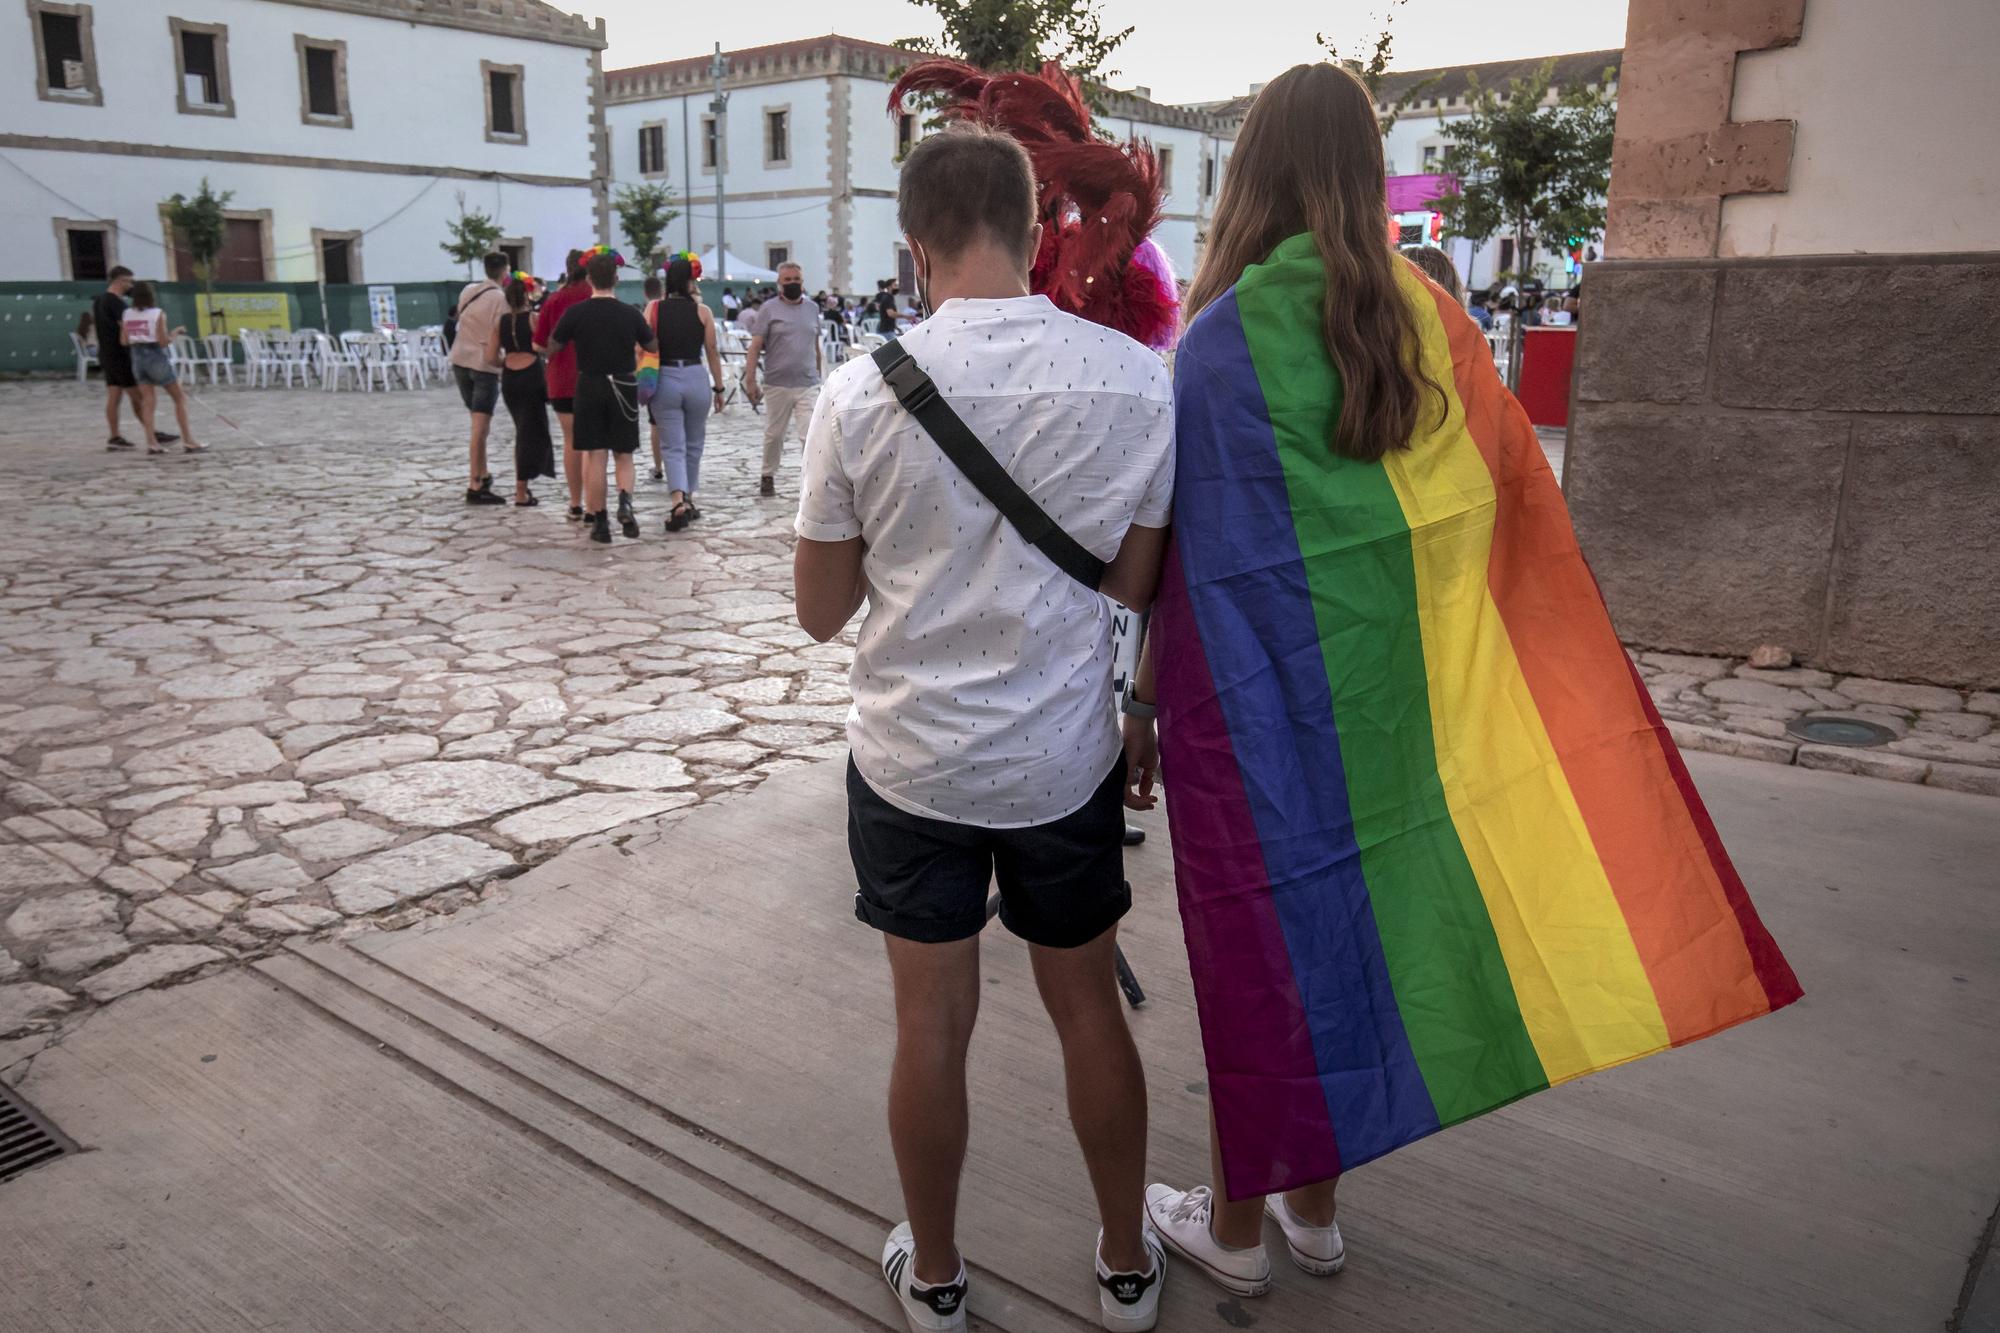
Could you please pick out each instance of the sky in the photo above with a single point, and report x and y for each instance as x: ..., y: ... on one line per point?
x: 1181, y: 49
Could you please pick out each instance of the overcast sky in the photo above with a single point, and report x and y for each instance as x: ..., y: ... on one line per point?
x: 1184, y: 51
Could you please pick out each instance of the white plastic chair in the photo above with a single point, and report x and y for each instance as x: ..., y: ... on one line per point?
x: 296, y: 353
x: 407, y: 359
x: 220, y: 358
x: 260, y: 360
x: 86, y: 356
x: 185, y: 359
x: 335, y: 362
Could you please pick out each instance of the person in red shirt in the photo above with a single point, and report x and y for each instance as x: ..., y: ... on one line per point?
x: 562, y: 373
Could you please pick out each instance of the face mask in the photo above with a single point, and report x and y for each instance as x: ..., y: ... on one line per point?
x: 793, y: 290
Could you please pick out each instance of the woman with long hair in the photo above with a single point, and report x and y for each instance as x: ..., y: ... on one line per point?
x: 1433, y: 848
x: 685, y: 331
x: 145, y: 333
x: 524, y: 388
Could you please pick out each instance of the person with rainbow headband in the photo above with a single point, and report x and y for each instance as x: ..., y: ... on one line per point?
x: 603, y: 332
x: 679, y: 392
x: 561, y: 372
x: 523, y: 387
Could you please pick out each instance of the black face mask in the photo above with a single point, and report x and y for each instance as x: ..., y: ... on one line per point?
x: 793, y: 290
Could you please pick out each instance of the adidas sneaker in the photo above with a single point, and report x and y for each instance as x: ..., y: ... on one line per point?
x: 1131, y: 1300
x: 925, y: 1308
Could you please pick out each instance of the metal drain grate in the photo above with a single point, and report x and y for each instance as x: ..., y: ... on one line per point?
x: 26, y: 1140
x: 1831, y: 729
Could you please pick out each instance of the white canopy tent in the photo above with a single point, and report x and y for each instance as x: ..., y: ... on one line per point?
x: 740, y: 270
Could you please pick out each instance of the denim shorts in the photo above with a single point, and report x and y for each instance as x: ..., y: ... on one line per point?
x: 480, y: 389
x: 152, y: 365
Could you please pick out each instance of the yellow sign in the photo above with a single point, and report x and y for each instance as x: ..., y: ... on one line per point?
x: 226, y: 312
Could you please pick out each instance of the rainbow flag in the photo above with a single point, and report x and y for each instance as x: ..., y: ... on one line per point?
x: 1435, y: 850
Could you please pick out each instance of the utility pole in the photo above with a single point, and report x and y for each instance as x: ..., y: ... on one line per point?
x: 717, y: 68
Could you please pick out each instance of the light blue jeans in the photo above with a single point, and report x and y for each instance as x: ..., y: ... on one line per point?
x: 680, y: 409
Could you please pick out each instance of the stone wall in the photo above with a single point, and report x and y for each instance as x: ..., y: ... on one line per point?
x: 1796, y: 451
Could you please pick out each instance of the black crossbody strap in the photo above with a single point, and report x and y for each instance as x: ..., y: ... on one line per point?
x: 921, y: 399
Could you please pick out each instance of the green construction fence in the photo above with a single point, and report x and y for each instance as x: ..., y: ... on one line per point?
x: 36, y: 318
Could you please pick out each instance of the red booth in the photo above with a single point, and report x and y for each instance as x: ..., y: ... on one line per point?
x: 1547, y: 355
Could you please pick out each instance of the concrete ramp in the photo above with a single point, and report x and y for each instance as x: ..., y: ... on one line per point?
x: 645, y: 1092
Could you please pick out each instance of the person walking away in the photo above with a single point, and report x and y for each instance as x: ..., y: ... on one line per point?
x: 787, y: 337
x: 650, y: 297
x: 685, y: 331
x: 730, y: 305
x: 524, y: 389
x: 1398, y: 723
x: 477, y: 371
x: 560, y: 372
x: 604, y: 332
x: 107, y: 316
x: 144, y: 333
x: 980, y: 735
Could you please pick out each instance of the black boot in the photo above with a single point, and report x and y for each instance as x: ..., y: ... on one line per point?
x: 626, y: 521
x: 600, y: 527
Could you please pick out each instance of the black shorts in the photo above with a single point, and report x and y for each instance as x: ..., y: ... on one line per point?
x: 607, y: 416
x: 117, y: 367
x: 563, y: 405
x: 1062, y: 884
x: 479, y: 390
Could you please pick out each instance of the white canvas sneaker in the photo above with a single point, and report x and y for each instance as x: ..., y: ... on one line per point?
x: 1131, y: 1300
x: 927, y: 1309
x: 1317, y: 1250
x: 1182, y: 1217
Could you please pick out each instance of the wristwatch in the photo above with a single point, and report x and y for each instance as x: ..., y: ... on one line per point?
x: 1133, y: 707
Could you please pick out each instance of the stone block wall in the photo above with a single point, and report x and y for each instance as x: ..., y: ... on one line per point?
x: 1796, y: 451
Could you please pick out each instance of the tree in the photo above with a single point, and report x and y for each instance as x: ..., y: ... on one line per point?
x: 1525, y: 165
x: 200, y: 225
x: 473, y: 235
x: 1022, y: 34
x: 1375, y: 68
x: 643, y: 216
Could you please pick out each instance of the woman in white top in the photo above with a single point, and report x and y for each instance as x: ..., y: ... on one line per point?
x: 145, y: 332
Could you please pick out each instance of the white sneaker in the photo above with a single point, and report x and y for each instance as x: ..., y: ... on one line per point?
x: 1182, y: 1219
x: 1317, y: 1250
x: 1131, y: 1300
x: 927, y: 1309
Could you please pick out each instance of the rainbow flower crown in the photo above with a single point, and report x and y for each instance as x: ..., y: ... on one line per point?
x: 694, y: 260
x: 597, y: 250
x: 528, y: 280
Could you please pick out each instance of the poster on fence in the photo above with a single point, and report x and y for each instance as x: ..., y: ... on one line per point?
x: 382, y: 307
x: 227, y: 312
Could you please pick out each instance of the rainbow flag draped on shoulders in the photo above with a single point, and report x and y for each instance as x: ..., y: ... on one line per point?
x: 1435, y: 850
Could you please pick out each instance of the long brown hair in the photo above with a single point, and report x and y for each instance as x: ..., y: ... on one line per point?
x: 1309, y: 159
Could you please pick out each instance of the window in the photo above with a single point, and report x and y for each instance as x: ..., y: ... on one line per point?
x: 1430, y: 156
x: 65, y: 57
x: 87, y: 247
x: 336, y: 256
x: 777, y: 256
x: 201, y: 68
x: 245, y: 248
x: 1208, y: 178
x: 906, y: 271
x: 711, y: 143
x: 520, y: 252
x: 506, y: 114
x: 652, y: 150
x: 323, y: 82
x: 1166, y: 157
x: 906, y: 134
x: 1507, y: 254
x: 778, y: 137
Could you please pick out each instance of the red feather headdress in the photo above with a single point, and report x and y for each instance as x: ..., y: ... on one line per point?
x: 1099, y: 200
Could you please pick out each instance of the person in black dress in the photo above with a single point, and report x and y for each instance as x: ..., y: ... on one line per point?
x: 524, y: 389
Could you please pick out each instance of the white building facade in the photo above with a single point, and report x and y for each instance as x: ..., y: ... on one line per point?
x: 809, y: 154
x: 350, y: 133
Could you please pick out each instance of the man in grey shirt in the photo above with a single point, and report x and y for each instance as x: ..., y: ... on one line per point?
x: 786, y: 335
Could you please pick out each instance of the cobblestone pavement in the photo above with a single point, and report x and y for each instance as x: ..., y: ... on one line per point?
x: 297, y: 685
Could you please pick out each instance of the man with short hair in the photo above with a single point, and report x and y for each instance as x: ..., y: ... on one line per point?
x: 983, y: 738
x: 479, y: 309
x: 730, y: 305
x: 107, y: 315
x: 787, y: 335
x: 604, y: 331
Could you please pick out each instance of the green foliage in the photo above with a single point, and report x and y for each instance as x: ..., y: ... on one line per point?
x: 1021, y: 34
x: 472, y: 235
x: 1536, y: 171
x: 200, y: 225
x: 1373, y: 69
x: 643, y: 216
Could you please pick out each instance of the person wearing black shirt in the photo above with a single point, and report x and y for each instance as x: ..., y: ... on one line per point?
x: 606, y: 333
x: 107, y: 312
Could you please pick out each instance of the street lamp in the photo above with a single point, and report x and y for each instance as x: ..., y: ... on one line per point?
x: 718, y: 108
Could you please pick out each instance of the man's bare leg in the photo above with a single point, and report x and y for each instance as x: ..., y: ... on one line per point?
x: 937, y: 1002
x: 482, y: 422
x: 112, y: 393
x: 1107, y: 1088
